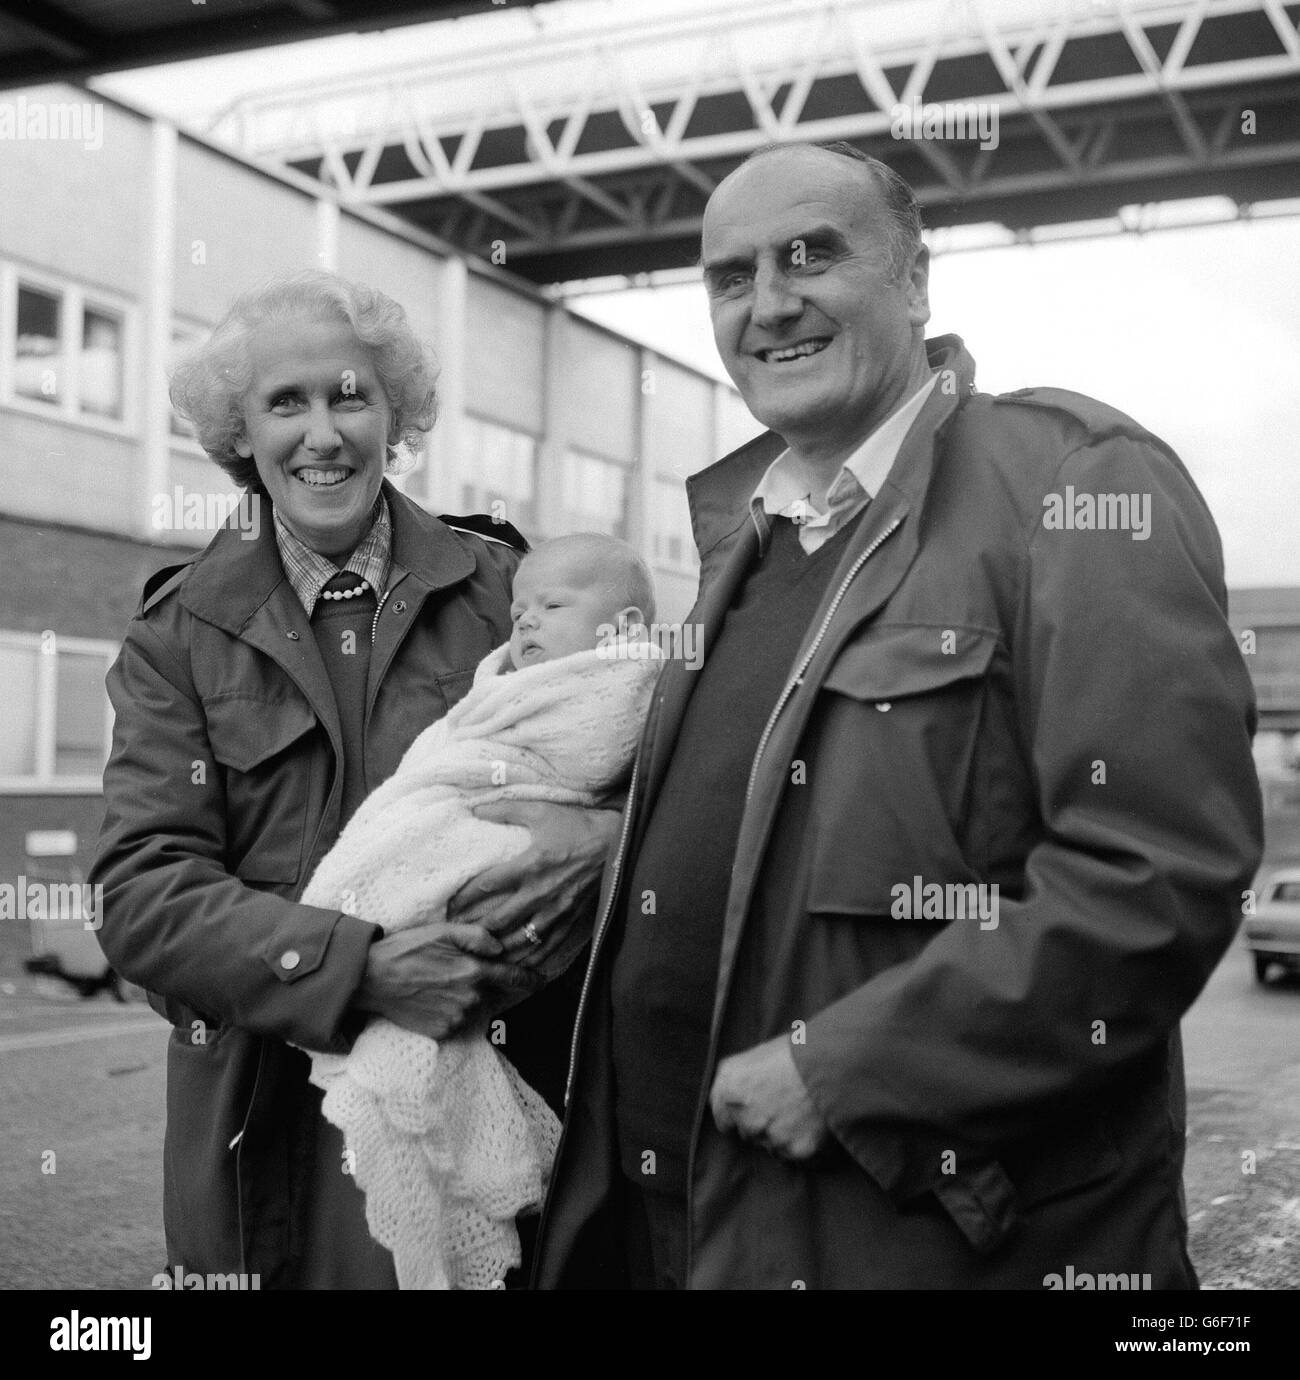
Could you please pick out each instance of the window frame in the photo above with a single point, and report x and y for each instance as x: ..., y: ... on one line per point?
x: 628, y: 471
x: 74, y: 300
x: 44, y: 780
x: 468, y: 478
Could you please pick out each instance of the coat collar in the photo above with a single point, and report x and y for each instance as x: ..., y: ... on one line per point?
x: 720, y: 510
x: 235, y: 577
x: 719, y: 496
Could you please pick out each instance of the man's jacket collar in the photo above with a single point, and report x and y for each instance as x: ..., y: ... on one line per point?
x: 719, y: 496
x: 239, y: 573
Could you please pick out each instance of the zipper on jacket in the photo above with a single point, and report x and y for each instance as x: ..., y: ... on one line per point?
x: 601, y: 924
x: 797, y: 679
x: 791, y: 685
x: 374, y: 622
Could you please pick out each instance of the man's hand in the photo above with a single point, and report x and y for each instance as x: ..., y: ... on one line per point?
x: 542, y: 886
x: 433, y: 979
x: 759, y: 1095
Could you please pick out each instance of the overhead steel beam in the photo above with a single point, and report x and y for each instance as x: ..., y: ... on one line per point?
x: 622, y: 131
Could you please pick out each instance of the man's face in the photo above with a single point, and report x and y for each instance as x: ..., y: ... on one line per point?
x: 814, y: 328
x: 556, y: 608
x: 316, y: 423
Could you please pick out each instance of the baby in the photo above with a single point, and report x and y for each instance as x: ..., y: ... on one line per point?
x: 448, y: 1143
x: 567, y: 597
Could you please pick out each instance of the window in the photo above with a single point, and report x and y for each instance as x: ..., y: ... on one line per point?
x: 57, y: 723
x: 100, y: 375
x: 595, y: 494
x: 38, y: 351
x: 672, y: 542
x: 503, y: 463
x: 64, y: 351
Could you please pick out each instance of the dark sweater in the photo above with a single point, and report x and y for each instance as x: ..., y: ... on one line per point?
x: 666, y: 963
x: 347, y: 663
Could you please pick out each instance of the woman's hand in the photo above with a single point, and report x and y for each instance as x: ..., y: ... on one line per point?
x: 434, y: 979
x: 546, y: 885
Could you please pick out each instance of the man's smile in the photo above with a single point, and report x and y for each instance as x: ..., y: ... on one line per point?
x: 787, y: 354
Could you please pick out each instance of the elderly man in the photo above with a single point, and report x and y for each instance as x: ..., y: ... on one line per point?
x: 921, y: 869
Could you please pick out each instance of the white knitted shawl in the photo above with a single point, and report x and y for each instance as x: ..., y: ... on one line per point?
x: 446, y: 1140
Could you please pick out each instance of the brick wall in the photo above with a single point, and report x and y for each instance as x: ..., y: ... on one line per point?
x: 80, y: 584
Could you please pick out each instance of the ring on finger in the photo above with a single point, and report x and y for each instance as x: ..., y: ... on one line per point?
x: 530, y: 933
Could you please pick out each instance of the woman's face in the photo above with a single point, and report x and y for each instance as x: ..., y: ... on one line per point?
x: 316, y: 424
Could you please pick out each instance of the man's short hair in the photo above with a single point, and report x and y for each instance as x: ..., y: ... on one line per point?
x: 900, y: 200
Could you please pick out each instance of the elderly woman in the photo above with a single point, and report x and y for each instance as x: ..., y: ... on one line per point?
x: 262, y: 691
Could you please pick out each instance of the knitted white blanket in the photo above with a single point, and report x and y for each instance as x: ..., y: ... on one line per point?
x: 448, y: 1143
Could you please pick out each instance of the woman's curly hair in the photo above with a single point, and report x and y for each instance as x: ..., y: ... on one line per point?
x: 208, y: 387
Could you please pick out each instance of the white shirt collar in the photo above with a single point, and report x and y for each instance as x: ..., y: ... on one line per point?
x: 784, y: 490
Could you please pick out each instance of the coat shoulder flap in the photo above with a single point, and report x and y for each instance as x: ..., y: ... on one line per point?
x: 161, y: 583
x: 1099, y: 419
x: 486, y: 529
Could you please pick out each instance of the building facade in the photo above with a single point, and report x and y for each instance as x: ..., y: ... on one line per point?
x: 122, y: 241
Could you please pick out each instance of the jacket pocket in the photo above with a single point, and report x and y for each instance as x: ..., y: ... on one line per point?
x: 898, y: 724
x: 900, y: 660
x: 266, y: 747
x: 455, y: 685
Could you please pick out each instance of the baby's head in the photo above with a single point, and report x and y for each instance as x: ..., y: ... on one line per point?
x: 567, y: 589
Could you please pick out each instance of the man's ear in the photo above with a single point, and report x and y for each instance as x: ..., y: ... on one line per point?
x: 918, y: 288
x: 628, y: 619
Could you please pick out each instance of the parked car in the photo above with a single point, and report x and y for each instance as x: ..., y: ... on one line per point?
x: 1272, y: 934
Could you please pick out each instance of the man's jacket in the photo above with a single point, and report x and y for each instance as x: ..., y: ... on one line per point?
x: 993, y: 694
x: 222, y: 793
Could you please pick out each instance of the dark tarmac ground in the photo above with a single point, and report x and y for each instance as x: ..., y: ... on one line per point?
x: 81, y: 1085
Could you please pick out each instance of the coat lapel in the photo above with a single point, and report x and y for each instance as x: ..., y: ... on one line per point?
x: 240, y: 587
x: 881, y: 552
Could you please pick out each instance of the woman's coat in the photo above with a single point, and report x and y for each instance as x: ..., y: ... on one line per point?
x: 222, y: 793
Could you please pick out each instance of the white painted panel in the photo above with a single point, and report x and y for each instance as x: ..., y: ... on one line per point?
x: 679, y: 424
x: 234, y: 229
x: 69, y: 474
x: 601, y: 381
x: 504, y: 356
x: 68, y: 207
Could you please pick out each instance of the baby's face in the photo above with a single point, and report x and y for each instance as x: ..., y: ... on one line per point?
x: 557, y: 608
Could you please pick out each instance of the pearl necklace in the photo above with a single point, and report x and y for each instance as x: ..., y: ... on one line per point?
x: 345, y: 593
